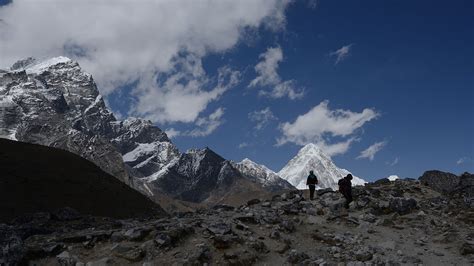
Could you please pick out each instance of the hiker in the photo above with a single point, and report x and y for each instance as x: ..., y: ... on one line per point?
x: 311, y: 182
x: 345, y: 187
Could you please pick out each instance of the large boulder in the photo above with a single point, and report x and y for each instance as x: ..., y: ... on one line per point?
x: 442, y: 182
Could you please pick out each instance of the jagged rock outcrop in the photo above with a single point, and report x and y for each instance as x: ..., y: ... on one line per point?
x: 54, y: 103
x: 450, y: 184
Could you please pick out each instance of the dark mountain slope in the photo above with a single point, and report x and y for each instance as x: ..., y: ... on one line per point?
x: 38, y: 178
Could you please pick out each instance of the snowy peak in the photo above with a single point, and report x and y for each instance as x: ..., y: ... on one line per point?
x: 38, y: 68
x: 261, y: 174
x: 312, y: 158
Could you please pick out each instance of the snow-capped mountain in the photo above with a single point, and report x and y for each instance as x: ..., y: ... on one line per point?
x: 261, y: 174
x: 55, y: 103
x: 393, y: 177
x: 311, y: 157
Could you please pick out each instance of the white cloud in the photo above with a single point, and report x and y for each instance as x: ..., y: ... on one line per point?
x: 341, y: 53
x: 208, y: 124
x: 262, y: 118
x: 370, y: 152
x: 464, y: 160
x: 267, y: 76
x: 320, y: 125
x: 243, y: 145
x: 204, y: 126
x: 180, y: 96
x: 172, y: 133
x: 122, y: 42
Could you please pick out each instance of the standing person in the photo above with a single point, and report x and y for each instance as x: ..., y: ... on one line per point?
x: 311, y: 182
x: 345, y: 187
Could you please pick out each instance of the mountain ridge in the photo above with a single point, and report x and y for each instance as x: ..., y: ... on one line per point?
x: 54, y: 103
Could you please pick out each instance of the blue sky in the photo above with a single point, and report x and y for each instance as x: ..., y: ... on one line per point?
x: 408, y: 64
x: 413, y: 63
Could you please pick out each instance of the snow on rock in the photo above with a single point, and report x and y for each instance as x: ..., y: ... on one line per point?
x: 45, y: 65
x: 261, y: 174
x: 393, y: 177
x: 311, y: 157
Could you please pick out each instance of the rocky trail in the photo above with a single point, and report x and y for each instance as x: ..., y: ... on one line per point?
x: 390, y: 223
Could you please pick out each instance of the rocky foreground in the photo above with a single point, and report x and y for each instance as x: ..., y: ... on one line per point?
x: 390, y: 223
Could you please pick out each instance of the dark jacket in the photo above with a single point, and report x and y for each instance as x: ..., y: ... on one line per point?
x: 312, y: 180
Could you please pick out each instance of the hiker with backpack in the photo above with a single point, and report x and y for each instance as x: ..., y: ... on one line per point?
x: 345, y: 188
x: 311, y: 182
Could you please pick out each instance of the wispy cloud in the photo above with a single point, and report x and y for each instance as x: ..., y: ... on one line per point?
x: 320, y: 124
x: 262, y: 118
x: 267, y: 76
x: 370, y: 152
x: 394, y: 162
x: 207, y: 125
x: 243, y: 145
x: 341, y: 53
x: 204, y: 126
x: 464, y: 160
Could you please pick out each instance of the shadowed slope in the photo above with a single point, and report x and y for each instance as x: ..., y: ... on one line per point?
x: 37, y: 178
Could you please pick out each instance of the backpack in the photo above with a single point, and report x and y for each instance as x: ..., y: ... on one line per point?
x: 342, y: 185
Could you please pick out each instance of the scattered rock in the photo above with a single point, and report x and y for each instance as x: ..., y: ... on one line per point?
x: 364, y: 254
x: 101, y: 262
x: 65, y: 259
x: 128, y: 251
x: 219, y: 228
x: 223, y: 241
x: 467, y: 248
x: 296, y: 257
x: 402, y: 205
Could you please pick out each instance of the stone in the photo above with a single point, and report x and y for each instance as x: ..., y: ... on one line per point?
x: 253, y: 202
x: 101, y: 262
x: 136, y: 234
x: 467, y: 248
x: 296, y: 257
x: 219, y: 228
x: 129, y: 252
x: 363, y: 254
x: 440, y: 181
x: 246, y: 219
x: 288, y: 226
x: 323, y: 191
x: 402, y: 205
x: 223, y: 207
x: 259, y: 246
x: 223, y: 241
x: 275, y: 234
x: 65, y: 259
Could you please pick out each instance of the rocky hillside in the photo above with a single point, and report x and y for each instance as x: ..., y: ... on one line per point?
x: 404, y: 222
x: 55, y: 103
x: 37, y: 178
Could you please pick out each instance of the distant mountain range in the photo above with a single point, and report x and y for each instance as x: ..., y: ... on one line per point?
x: 55, y: 103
